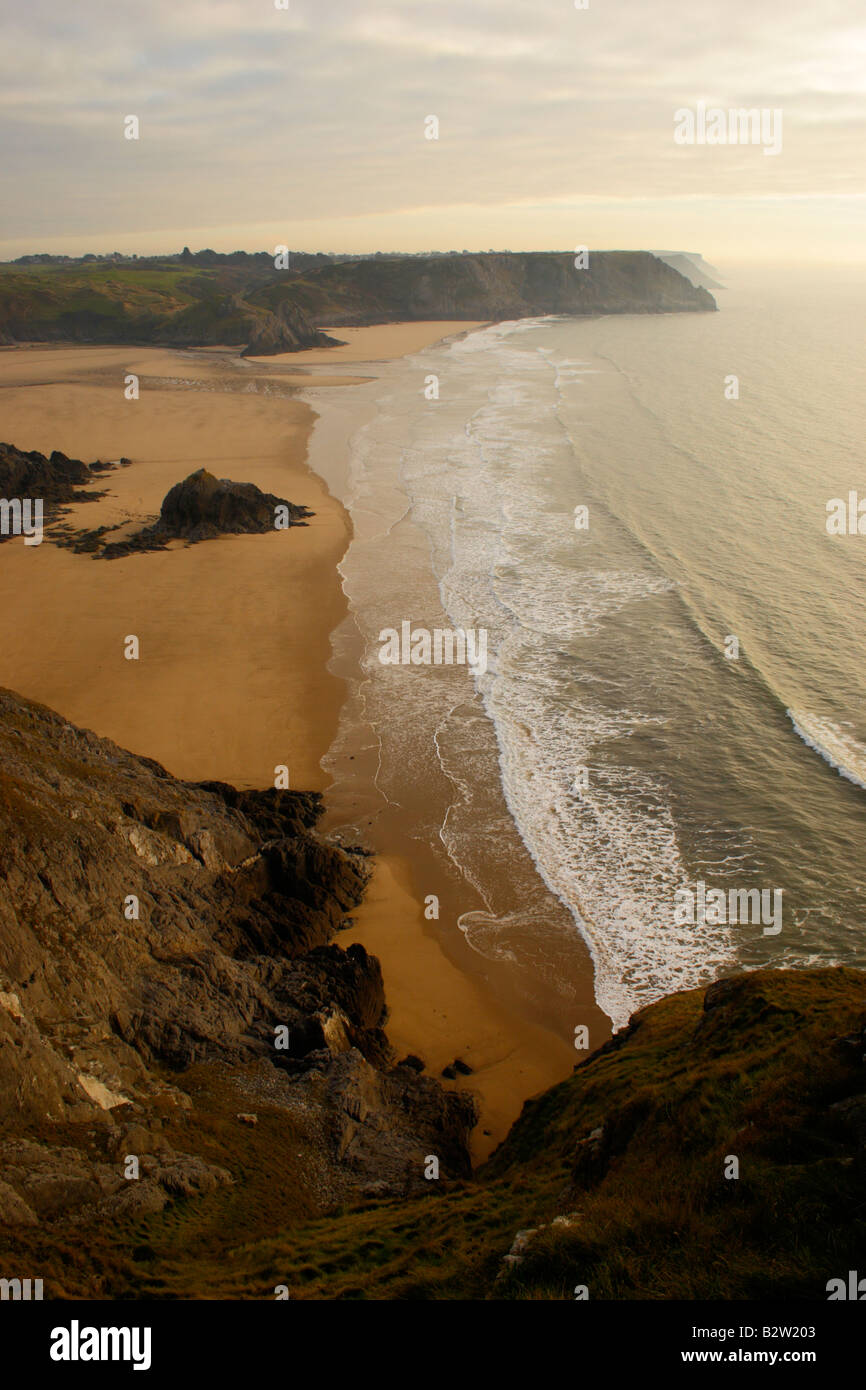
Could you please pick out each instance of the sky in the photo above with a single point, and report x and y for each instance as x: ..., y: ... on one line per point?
x: 305, y: 126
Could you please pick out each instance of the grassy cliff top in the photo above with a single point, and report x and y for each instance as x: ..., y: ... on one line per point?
x: 205, y: 299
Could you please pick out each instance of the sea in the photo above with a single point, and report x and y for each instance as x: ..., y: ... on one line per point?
x: 634, y: 508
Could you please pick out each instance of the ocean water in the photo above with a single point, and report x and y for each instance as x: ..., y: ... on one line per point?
x: 614, y: 751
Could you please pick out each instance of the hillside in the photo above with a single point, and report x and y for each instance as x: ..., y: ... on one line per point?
x: 154, y: 1036
x: 166, y: 970
x: 490, y: 286
x: 188, y: 301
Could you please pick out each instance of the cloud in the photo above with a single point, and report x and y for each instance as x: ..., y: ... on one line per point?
x: 316, y: 113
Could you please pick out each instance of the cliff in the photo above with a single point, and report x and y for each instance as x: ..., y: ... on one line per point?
x: 154, y: 937
x: 167, y: 971
x: 693, y: 267
x: 620, y: 1181
x: 490, y: 286
x: 188, y: 301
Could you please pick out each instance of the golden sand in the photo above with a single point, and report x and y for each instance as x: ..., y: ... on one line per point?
x: 234, y: 636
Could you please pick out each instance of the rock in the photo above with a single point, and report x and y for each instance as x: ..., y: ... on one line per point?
x: 203, y: 507
x: 379, y: 1189
x: 191, y: 1177
x: 449, y: 1073
x: 285, y: 329
x: 517, y: 1253
x: 521, y: 1241
x: 133, y: 1139
x: 140, y: 1198
x: 12, y: 1004
x: 99, y: 1092
x: 462, y: 1067
x: 852, y: 1047
x: 14, y: 1211
x: 239, y: 898
x: 414, y: 1063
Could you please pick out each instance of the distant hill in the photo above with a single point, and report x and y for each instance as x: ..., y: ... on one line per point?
x: 241, y: 300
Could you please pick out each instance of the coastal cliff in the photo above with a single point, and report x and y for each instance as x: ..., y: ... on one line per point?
x: 157, y: 941
x: 490, y: 286
x: 194, y: 301
x: 167, y: 970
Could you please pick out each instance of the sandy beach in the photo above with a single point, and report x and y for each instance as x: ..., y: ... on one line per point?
x: 443, y: 1012
x: 235, y: 634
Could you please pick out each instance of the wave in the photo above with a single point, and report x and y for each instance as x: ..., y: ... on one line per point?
x: 838, y: 747
x: 495, y: 496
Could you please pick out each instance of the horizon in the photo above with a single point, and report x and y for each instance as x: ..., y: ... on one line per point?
x: 485, y: 129
x: 732, y: 264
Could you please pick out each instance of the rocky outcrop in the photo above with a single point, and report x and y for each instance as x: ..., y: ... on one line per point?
x: 286, y: 329
x: 200, y: 508
x: 31, y: 474
x: 203, y: 506
x: 55, y: 480
x: 150, y: 926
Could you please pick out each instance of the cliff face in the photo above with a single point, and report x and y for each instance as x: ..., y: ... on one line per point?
x: 153, y: 931
x: 491, y: 286
x: 185, y: 303
x: 714, y: 1149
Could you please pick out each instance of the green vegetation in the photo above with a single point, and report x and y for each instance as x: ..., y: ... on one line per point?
x: 767, y: 1068
x: 194, y: 300
x: 104, y: 302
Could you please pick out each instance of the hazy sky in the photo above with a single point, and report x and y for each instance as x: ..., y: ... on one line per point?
x: 306, y: 126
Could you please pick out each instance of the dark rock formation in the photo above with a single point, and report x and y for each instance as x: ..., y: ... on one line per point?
x: 31, y: 474
x: 200, y: 508
x: 56, y: 479
x: 287, y: 329
x: 149, y: 926
x: 203, y: 506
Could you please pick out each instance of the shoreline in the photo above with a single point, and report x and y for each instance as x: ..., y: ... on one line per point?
x: 512, y: 1026
x: 221, y: 697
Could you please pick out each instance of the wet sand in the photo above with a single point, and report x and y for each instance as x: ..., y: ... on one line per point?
x: 376, y: 344
x: 442, y: 1009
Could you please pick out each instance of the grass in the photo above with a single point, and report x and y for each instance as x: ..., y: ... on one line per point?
x: 652, y: 1214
